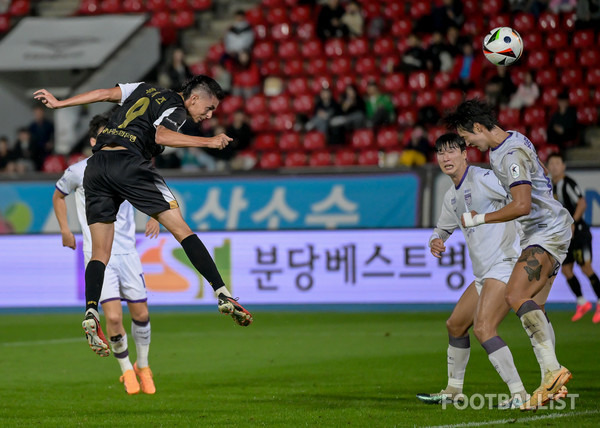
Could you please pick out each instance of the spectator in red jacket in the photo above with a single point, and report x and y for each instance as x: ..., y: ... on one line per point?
x: 467, y: 68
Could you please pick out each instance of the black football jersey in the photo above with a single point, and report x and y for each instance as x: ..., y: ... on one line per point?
x: 133, y: 124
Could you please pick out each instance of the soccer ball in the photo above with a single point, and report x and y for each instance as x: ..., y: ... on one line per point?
x: 502, y: 46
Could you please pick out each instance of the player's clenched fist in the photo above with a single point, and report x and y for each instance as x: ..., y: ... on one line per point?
x: 219, y: 141
x: 437, y: 247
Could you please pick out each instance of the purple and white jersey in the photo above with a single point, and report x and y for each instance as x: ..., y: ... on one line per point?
x: 488, y: 244
x: 124, y: 241
x: 515, y: 162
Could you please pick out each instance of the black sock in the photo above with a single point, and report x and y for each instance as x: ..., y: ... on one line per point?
x: 595, y: 284
x: 202, y: 261
x: 94, y: 277
x: 575, y: 286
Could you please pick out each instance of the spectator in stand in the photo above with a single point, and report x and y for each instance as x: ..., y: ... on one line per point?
x: 562, y: 6
x: 454, y: 41
x: 41, y: 132
x: 246, y: 76
x: 23, y: 152
x: 499, y: 88
x: 353, y: 19
x: 414, y: 57
x: 6, y: 164
x: 417, y: 150
x: 449, y: 13
x: 588, y: 14
x: 527, y: 92
x: 240, y: 36
x: 325, y: 108
x: 178, y: 71
x: 329, y: 21
x: 222, y: 77
x: 467, y: 68
x: 379, y: 108
x: 351, y: 115
x: 562, y: 128
x: 242, y: 136
x: 437, y: 54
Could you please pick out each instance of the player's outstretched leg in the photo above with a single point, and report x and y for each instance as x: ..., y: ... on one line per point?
x: 229, y: 306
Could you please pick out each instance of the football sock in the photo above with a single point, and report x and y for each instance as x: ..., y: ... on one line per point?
x: 575, y: 287
x: 141, y: 336
x: 222, y: 290
x: 94, y: 277
x: 202, y: 261
x: 502, y: 360
x: 118, y: 344
x: 535, y: 324
x: 459, y: 349
x: 595, y: 284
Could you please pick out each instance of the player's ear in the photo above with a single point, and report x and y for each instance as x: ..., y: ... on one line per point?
x: 92, y: 141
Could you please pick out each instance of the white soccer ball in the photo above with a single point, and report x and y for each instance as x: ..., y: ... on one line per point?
x: 502, y: 46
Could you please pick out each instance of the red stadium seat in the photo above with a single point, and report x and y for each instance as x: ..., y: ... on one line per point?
x: 474, y: 155
x: 19, y: 8
x: 263, y: 50
x: 579, y: 96
x: 134, y: 6
x: 537, y: 59
x: 362, y: 139
x: 534, y: 116
x: 298, y: 86
x: 475, y: 93
x: 293, y: 67
x: 418, y: 80
x: 402, y: 99
x: 265, y: 142
x: 358, y: 47
x: 524, y: 23
x: 564, y: 59
x: 407, y: 117
x: 393, y: 10
x: 319, y: 158
x: 557, y: 40
x: 184, y: 19
x: 295, y: 159
x: 549, y: 96
x: 366, y: 65
x: 384, y: 46
x: 546, y: 77
x: 491, y: 7
x: 277, y: 15
x: 306, y: 31
x: 389, y: 63
x: 109, y: 6
x: 200, y: 5
x: 420, y: 9
x: 89, y: 7
x: 371, y: 9
x: 75, y: 157
x: 546, y: 150
x: 590, y: 58
x: 568, y: 21
x: 260, y: 122
x: 290, y: 141
x: 215, y: 52
x: 176, y: 5
x: 261, y: 32
x: 311, y: 49
x: 387, y: 138
x: 368, y: 157
x: 341, y: 82
x: 538, y: 135
x: 335, y: 47
x: 157, y: 5
x: 54, y: 164
x: 571, y: 77
x: 442, y: 80
x: 231, y: 104
x: 593, y: 77
x: 281, y: 32
x: 471, y: 7
x: 596, y: 98
x: 426, y: 97
x: 364, y: 81
x: 436, y: 132
x: 288, y: 49
x: 509, y: 117
x: 304, y: 104
x: 270, y: 67
x: 583, y: 39
x: 474, y: 26
x: 314, y: 140
x: 451, y: 98
x: 270, y: 160
x: 271, y: 4
x: 401, y: 27
x: 340, y: 65
x: 4, y: 23
x: 502, y: 20
x: 319, y: 82
x: 587, y: 115
x: 284, y: 122
x: 394, y: 82
x: 301, y: 14
x: 280, y: 104
x: 317, y: 66
x: 344, y: 157
x: 548, y: 22
x: 532, y: 41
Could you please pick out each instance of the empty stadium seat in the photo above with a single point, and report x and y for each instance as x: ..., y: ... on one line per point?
x: 314, y: 140
x: 587, y: 115
x: 317, y: 66
x: 4, y: 23
x: 501, y: 20
x: 583, y: 39
x: 407, y: 117
x: 549, y: 96
x: 311, y: 49
x: 384, y: 46
x: 200, y: 5
x: 593, y: 77
x: 263, y: 50
x: 393, y: 10
x: 280, y: 104
x: 231, y: 104
x: 538, y: 135
x: 335, y: 47
x: 394, y: 82
x: 571, y: 77
x: 284, y: 122
x: 420, y: 9
x: 418, y: 80
x: 177, y: 5
x: 270, y: 160
x: 509, y: 117
x: 368, y: 157
x: 451, y: 98
x: 260, y: 122
x: 293, y: 67
x: 54, y: 164
x: 295, y: 159
x: 538, y: 59
x: 546, y: 77
x: 319, y: 82
x: 303, y: 104
x: 426, y: 97
x: 156, y: 5
x: 534, y: 116
x: 532, y: 41
x: 366, y: 65
x: 344, y: 157
x: 277, y: 15
x: 442, y: 80
x: 298, y: 86
x: 340, y: 65
x: 306, y: 31
x: 184, y: 19
x: 387, y: 138
x: 19, y: 8
x: 524, y: 23
x: 109, y: 6
x: 401, y: 27
x: 546, y: 150
x: 557, y: 40
x: 548, y: 22
x: 89, y: 7
x: 270, y: 67
x: 362, y: 139
x: 319, y: 158
x: 301, y: 14
x: 579, y: 96
x: 265, y: 142
x: 358, y: 47
x: 491, y: 7
x: 590, y: 58
x: 474, y: 155
x: 134, y: 6
x: 288, y: 49
x: 290, y: 141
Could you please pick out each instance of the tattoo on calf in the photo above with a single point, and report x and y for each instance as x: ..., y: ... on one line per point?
x: 533, y: 267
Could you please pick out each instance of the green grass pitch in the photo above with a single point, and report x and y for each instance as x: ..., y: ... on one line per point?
x: 288, y: 369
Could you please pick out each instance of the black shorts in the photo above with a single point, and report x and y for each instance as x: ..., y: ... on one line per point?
x: 580, y: 250
x: 112, y: 176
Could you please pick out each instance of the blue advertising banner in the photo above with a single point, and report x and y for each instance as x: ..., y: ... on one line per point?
x: 248, y: 203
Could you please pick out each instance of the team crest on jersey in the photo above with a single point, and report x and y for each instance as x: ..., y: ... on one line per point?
x: 468, y: 198
x: 514, y: 170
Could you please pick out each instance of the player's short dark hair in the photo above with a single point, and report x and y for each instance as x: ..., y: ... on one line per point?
x: 202, y: 83
x: 555, y: 155
x: 450, y: 140
x: 469, y: 113
x: 99, y: 121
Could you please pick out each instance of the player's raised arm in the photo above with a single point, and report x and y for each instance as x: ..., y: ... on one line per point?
x: 95, y: 96
x: 166, y: 137
x: 60, y: 211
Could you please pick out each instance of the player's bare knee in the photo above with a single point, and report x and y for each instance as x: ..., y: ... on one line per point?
x: 114, y: 320
x: 454, y: 328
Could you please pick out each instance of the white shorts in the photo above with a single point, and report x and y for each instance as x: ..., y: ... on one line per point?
x: 557, y: 244
x: 123, y: 279
x: 500, y: 271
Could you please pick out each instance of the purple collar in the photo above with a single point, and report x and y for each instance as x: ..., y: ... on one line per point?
x: 463, y: 178
x: 498, y: 146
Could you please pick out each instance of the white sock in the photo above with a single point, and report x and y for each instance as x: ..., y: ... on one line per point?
x: 223, y: 290
x: 535, y: 324
x: 459, y: 350
x: 501, y: 358
x: 581, y: 301
x: 118, y: 344
x: 141, y: 336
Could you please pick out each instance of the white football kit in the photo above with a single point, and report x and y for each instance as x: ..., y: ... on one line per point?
x: 493, y: 248
x: 123, y: 278
x: 548, y: 225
